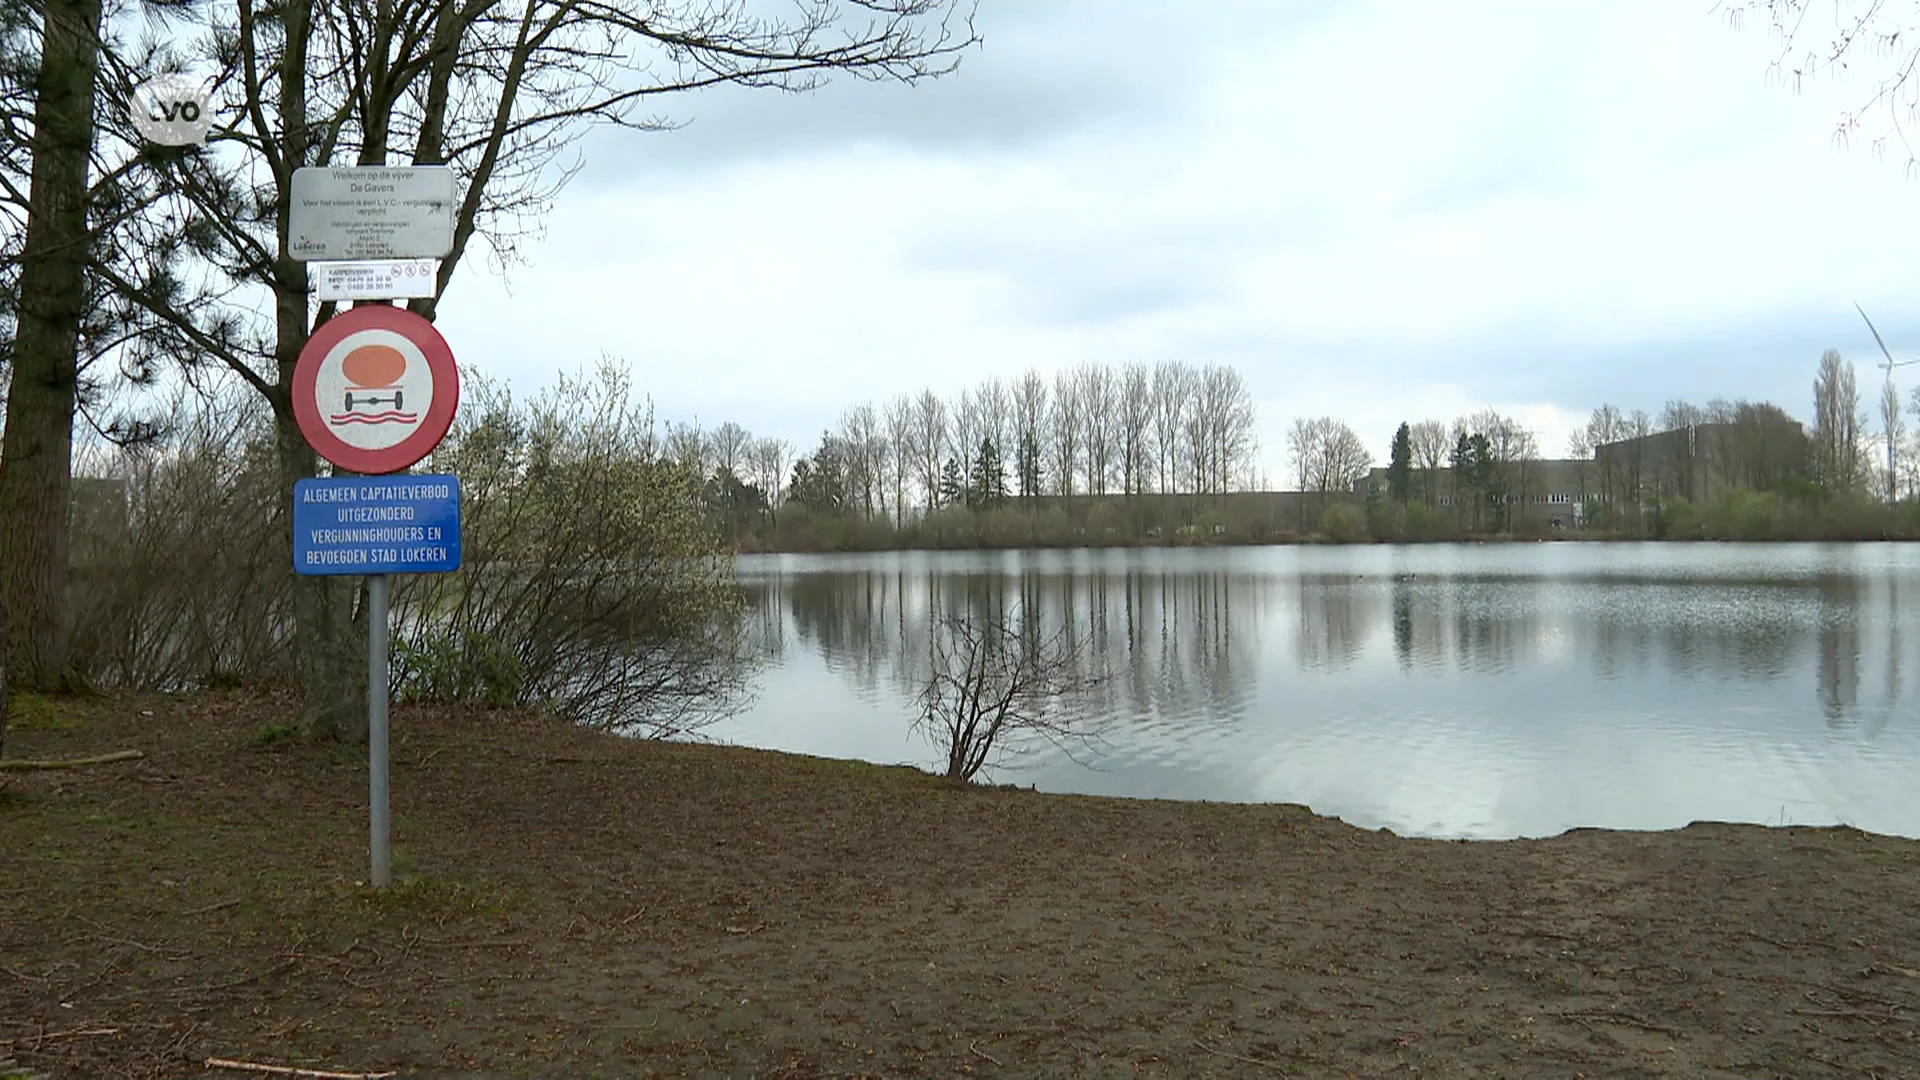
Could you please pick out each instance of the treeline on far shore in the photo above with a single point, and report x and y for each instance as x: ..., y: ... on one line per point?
x: 1795, y: 513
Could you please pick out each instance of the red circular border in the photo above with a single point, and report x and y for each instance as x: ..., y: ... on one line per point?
x: 433, y: 428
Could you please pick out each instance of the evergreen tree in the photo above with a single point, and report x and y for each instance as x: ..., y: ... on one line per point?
x: 820, y: 482
x: 1475, y: 474
x: 1400, y: 465
x: 988, y: 487
x: 953, y: 487
x: 733, y: 504
x: 47, y: 307
x: 1461, y: 459
x: 1487, y: 479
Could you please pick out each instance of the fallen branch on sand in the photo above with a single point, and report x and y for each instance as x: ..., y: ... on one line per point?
x: 1262, y: 1062
x: 1626, y: 1019
x: 71, y: 1033
x: 288, y: 1070
x: 25, y: 765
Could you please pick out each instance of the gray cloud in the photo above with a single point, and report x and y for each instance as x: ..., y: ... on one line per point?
x: 1370, y: 209
x: 1041, y: 72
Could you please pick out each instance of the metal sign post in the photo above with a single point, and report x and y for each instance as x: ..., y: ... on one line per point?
x: 374, y: 391
x: 376, y: 526
x: 377, y: 691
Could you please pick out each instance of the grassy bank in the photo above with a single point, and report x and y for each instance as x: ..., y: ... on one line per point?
x: 573, y: 904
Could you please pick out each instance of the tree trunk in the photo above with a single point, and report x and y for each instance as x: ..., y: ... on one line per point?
x: 3, y: 677
x: 36, y: 461
x: 329, y: 645
x: 329, y: 653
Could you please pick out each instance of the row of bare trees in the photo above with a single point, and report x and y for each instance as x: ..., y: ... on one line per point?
x: 1093, y: 429
x: 1329, y: 456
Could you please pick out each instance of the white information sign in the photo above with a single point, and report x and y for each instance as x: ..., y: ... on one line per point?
x: 374, y: 279
x: 371, y: 213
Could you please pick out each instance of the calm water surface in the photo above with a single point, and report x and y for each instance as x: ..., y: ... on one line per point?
x: 1458, y: 691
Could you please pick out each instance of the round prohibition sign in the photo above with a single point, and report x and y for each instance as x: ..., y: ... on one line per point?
x: 375, y: 389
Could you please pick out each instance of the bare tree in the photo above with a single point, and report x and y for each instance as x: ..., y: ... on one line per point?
x: 996, y: 415
x: 1861, y: 35
x: 1605, y: 425
x: 1065, y: 419
x: 1303, y: 446
x: 770, y: 470
x: 1030, y: 416
x: 1430, y: 445
x: 1099, y: 427
x: 727, y: 447
x: 1913, y: 448
x: 1344, y: 459
x: 1893, y: 429
x: 1764, y: 447
x: 1136, y: 423
x: 1837, y: 420
x: 969, y: 422
x: 996, y: 690
x: 1634, y: 431
x: 1677, y: 414
x: 1328, y: 457
x: 1172, y: 393
x: 1226, y: 411
x: 866, y: 448
x: 1195, y: 428
x: 929, y: 442
x: 688, y: 445
x: 900, y: 456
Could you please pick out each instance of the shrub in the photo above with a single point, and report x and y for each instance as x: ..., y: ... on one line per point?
x: 994, y: 688
x: 1387, y: 520
x: 182, y: 575
x: 592, y: 580
x: 1680, y: 519
x: 1421, y: 522
x: 1344, y: 523
x: 456, y: 668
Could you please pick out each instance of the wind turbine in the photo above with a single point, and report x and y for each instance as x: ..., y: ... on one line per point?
x: 1889, y: 366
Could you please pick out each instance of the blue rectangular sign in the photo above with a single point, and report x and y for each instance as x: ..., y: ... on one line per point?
x: 400, y: 524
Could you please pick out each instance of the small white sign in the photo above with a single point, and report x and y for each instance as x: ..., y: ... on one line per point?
x: 172, y: 110
x: 374, y: 279
x: 371, y: 213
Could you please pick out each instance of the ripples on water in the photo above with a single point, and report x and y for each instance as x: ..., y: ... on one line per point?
x: 1476, y: 690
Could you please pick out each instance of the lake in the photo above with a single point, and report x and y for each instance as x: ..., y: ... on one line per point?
x: 1484, y: 691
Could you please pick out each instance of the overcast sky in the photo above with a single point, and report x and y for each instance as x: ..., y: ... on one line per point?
x: 1381, y: 211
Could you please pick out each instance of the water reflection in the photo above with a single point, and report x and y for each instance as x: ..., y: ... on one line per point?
x: 1480, y: 672
x: 1159, y: 644
x: 1839, y: 668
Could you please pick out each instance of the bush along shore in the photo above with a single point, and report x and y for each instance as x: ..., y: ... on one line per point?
x: 572, y: 903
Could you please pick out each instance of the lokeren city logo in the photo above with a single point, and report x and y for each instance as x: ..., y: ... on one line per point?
x: 172, y: 110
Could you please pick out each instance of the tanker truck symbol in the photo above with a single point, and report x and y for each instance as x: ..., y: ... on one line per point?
x: 374, y: 374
